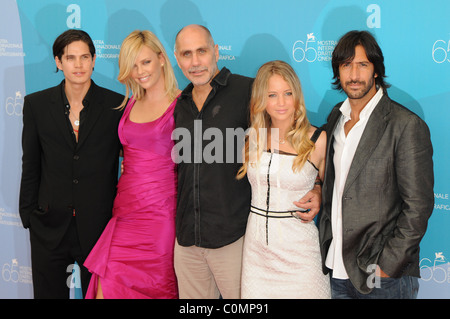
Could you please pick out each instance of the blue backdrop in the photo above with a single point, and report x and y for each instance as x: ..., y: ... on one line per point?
x: 414, y: 36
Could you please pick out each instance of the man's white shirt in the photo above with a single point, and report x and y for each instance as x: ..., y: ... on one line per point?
x: 344, y: 151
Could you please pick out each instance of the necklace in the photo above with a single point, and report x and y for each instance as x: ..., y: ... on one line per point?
x: 280, y: 140
x: 76, y: 122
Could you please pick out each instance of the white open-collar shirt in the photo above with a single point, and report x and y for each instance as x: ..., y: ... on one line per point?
x: 344, y: 150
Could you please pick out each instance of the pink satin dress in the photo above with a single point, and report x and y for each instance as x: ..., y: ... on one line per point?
x: 134, y: 256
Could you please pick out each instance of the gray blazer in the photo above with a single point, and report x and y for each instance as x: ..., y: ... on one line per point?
x: 388, y: 195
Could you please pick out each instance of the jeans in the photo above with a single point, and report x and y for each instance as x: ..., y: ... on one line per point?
x: 405, y: 287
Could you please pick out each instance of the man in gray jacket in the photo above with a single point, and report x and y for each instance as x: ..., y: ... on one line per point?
x: 378, y: 186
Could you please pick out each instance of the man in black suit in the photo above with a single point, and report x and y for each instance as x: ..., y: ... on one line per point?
x: 69, y: 167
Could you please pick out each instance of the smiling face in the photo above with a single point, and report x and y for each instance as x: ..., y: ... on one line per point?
x: 148, y: 68
x: 197, y: 55
x: 280, y: 101
x: 76, y: 63
x: 357, y: 76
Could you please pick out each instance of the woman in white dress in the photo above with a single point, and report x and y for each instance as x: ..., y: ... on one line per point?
x: 284, y: 158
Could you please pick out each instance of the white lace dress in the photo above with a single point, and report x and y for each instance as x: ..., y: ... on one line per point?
x: 281, y: 257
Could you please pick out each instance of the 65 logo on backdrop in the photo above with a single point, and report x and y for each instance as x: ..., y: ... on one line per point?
x: 437, y: 270
x: 312, y: 50
x: 14, y: 104
x: 441, y: 51
x: 15, y: 273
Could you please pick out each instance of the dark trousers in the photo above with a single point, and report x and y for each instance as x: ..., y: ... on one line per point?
x: 52, y: 269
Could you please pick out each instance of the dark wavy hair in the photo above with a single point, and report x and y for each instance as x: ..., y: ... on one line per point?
x: 69, y: 36
x: 345, y: 51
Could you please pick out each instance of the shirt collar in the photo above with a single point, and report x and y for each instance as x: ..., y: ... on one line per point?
x: 86, y: 99
x: 366, y: 111
x: 221, y: 79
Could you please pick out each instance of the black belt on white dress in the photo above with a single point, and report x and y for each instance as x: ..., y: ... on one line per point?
x: 276, y: 214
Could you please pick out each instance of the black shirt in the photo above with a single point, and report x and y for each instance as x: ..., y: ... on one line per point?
x: 82, y: 112
x: 212, y: 206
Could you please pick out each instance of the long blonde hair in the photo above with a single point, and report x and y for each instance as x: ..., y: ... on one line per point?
x: 131, y: 46
x: 297, y: 136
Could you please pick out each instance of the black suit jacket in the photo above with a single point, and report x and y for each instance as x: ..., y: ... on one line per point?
x: 388, y: 195
x: 59, y: 175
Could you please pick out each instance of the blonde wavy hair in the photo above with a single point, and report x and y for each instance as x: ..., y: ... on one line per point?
x: 297, y: 136
x: 131, y: 46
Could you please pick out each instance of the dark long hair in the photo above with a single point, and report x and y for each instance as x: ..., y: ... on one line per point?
x: 345, y: 51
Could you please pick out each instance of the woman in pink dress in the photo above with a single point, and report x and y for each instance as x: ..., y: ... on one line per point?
x: 134, y: 256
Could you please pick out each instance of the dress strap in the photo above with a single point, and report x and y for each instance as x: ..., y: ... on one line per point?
x: 316, y: 134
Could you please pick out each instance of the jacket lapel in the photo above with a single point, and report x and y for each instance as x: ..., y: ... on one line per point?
x: 332, y: 122
x: 94, y: 111
x: 57, y: 112
x: 370, y: 138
